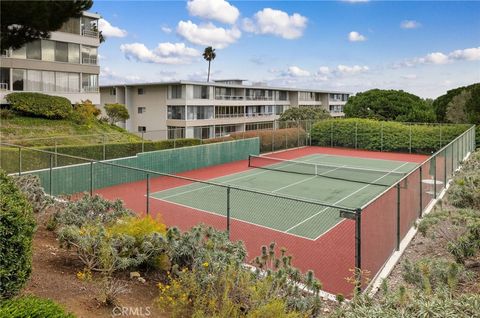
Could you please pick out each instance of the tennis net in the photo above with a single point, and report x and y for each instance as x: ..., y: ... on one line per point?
x: 339, y: 172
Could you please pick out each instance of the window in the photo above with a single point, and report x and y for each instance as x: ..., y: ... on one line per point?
x: 142, y: 129
x: 48, y: 50
x: 113, y: 91
x: 71, y: 26
x: 34, y: 81
x: 200, y: 92
x: 306, y: 96
x: 73, y: 82
x: 48, y: 80
x: 61, y: 52
x: 229, y: 111
x: 21, y: 53
x: 140, y: 91
x: 175, y: 132
x: 89, y: 82
x: 89, y: 55
x: 88, y: 26
x: 61, y: 82
x: 73, y: 53
x: 336, y: 108
x: 176, y: 91
x: 4, y: 78
x: 282, y: 95
x: 34, y: 50
x: 141, y: 110
x: 19, y: 77
x: 201, y: 132
x: 259, y: 126
x: 278, y: 110
x: 176, y: 112
x: 199, y: 112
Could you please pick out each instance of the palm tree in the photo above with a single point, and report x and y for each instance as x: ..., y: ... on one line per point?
x: 209, y: 55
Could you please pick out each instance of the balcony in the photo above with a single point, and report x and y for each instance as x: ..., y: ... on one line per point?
x: 90, y: 33
x: 230, y: 115
x: 89, y: 60
x: 4, y: 87
x: 259, y: 98
x: 259, y: 114
x: 229, y: 97
x: 90, y: 89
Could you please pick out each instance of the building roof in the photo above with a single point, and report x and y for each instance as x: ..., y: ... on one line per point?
x: 253, y: 86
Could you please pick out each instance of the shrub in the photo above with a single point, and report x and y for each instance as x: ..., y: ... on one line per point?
x: 272, y: 140
x: 32, y: 307
x: 85, y: 112
x: 16, y: 231
x: 387, y: 136
x: 90, y: 210
x: 30, y: 186
x: 6, y: 113
x: 40, y: 105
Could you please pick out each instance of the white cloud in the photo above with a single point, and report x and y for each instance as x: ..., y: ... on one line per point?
x: 166, y: 29
x: 434, y: 58
x: 208, y: 34
x: 164, y: 53
x: 108, y: 76
x: 354, y: 36
x: 410, y: 24
x: 355, y: 69
x: 324, y: 70
x: 409, y: 76
x: 276, y: 22
x: 469, y: 54
x: 109, y: 30
x: 219, y: 10
x: 296, y: 71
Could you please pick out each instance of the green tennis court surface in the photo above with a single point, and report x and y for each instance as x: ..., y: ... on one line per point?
x: 316, y: 177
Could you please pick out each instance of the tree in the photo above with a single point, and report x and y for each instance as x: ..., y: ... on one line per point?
x: 471, y: 105
x: 304, y: 113
x: 209, y: 55
x: 27, y: 21
x: 389, y: 105
x: 456, y: 108
x: 116, y: 112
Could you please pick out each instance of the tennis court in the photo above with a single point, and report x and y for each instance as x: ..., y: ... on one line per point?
x: 332, y: 179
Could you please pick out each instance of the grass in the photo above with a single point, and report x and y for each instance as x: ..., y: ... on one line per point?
x: 20, y: 127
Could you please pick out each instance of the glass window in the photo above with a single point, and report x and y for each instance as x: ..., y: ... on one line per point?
x: 142, y: 129
x: 176, y: 112
x: 34, y: 50
x: 21, y: 53
x: 61, y: 52
x: 90, y: 82
x: 201, y: 132
x: 48, y: 79
x: 200, y: 92
x: 34, y: 81
x: 199, y: 112
x: 141, y: 110
x: 140, y: 91
x: 48, y: 50
x: 176, y: 91
x: 4, y: 78
x: 113, y: 91
x: 175, y: 132
x: 89, y: 55
x: 71, y: 26
x: 73, y: 82
x: 19, y: 79
x: 61, y: 82
x: 73, y: 53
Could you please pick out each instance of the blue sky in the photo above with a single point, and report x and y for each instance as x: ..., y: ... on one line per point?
x: 422, y: 47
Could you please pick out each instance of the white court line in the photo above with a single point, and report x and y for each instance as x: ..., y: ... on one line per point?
x: 225, y: 182
x: 304, y: 180
x: 358, y: 190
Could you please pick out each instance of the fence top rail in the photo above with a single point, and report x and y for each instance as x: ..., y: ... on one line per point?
x: 146, y: 171
x: 472, y: 128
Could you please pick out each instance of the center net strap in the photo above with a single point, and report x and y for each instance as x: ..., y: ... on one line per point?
x: 339, y: 172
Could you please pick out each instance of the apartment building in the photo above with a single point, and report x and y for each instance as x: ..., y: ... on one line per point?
x: 64, y: 65
x: 206, y: 110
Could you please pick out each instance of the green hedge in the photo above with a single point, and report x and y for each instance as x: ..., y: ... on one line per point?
x: 34, y: 160
x: 32, y: 307
x: 17, y: 225
x: 383, y: 135
x: 40, y: 105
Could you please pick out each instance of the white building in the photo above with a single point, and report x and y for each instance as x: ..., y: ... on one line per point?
x: 206, y: 110
x: 64, y: 65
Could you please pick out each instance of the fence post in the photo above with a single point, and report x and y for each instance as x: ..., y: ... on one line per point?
x: 381, y: 137
x: 104, y: 151
x: 56, y: 159
x: 435, y: 178
x: 91, y: 178
x: 410, y: 139
x: 143, y: 143
x: 356, y: 134
x: 19, y: 161
x: 298, y: 134
x: 273, y: 139
x: 398, y: 216
x: 440, y: 136
x: 331, y: 134
x: 445, y: 168
x: 51, y: 174
x: 148, y: 194
x: 286, y: 139
x: 451, y: 146
x: 228, y: 211
x: 358, y: 250
x: 421, y: 193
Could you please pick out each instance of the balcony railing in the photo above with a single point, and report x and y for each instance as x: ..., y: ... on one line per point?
x: 259, y: 98
x: 4, y: 87
x: 259, y: 114
x: 89, y: 60
x: 229, y: 115
x: 229, y: 97
x: 90, y: 33
x: 90, y: 89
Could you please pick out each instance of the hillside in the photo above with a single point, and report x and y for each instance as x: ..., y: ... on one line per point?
x: 20, y: 127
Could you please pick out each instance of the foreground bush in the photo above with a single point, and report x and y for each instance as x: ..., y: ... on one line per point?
x: 16, y: 231
x: 40, y: 105
x: 385, y: 136
x: 32, y: 307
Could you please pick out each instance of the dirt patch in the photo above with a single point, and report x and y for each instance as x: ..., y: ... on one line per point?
x: 54, y: 276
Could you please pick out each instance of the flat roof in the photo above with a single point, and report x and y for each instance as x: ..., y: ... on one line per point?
x: 91, y: 15
x: 215, y: 84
